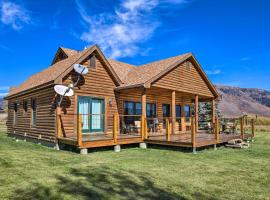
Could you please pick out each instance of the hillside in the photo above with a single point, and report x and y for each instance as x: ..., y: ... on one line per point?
x: 237, y: 101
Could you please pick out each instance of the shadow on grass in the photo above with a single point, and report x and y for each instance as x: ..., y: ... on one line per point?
x: 97, y: 183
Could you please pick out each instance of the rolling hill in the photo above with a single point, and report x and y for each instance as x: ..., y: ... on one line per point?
x: 237, y: 101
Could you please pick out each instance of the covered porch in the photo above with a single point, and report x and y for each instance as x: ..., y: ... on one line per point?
x: 156, y: 116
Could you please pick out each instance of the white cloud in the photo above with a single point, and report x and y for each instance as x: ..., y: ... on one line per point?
x: 213, y: 72
x: 120, y: 32
x: 14, y: 15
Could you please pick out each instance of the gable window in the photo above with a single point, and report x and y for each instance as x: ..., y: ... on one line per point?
x: 34, y: 111
x: 15, y: 121
x: 92, y: 62
x: 151, y: 110
x: 25, y: 107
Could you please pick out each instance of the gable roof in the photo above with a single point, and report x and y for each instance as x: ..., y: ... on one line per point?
x: 69, y: 52
x: 143, y: 73
x: 58, y: 70
x: 126, y: 75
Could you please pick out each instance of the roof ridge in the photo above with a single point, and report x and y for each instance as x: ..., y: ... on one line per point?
x: 164, y: 59
x: 122, y: 62
x: 69, y: 49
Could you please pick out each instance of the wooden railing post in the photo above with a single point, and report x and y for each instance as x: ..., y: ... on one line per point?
x: 242, y: 127
x: 145, y: 129
x: 115, y: 127
x: 59, y: 128
x: 183, y: 124
x: 168, y: 129
x: 253, y: 127
x: 216, y: 128
x: 142, y: 126
x: 193, y: 134
x: 79, y: 131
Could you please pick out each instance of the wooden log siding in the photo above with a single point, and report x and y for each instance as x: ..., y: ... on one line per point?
x: 185, y: 78
x: 45, y: 128
x: 97, y: 83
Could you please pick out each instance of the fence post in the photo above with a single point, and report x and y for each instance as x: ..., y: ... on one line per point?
x: 79, y: 131
x: 242, y: 127
x: 168, y: 129
x: 59, y: 128
x: 193, y: 134
x: 115, y: 127
x: 253, y: 127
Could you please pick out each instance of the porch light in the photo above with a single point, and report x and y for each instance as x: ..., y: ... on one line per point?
x: 111, y: 102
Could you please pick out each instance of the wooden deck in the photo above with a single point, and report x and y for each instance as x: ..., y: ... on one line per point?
x: 102, y: 140
x: 184, y: 140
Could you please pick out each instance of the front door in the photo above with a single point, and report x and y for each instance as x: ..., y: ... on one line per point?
x: 92, y: 111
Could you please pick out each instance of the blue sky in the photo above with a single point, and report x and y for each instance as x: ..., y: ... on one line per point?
x: 230, y: 38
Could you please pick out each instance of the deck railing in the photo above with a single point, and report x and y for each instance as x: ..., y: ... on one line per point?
x: 145, y: 127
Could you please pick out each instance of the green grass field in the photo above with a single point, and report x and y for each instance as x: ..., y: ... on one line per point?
x: 32, y: 171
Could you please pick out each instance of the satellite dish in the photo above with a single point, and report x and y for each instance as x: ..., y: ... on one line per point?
x: 80, y: 69
x: 63, y: 90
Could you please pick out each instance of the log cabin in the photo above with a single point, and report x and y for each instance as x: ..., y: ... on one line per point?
x: 115, y: 103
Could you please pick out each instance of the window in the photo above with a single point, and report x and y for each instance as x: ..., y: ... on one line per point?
x: 178, y: 111
x: 25, y: 107
x: 15, y: 114
x: 92, y: 62
x: 34, y: 111
x: 151, y: 110
x: 132, y: 108
x: 166, y: 109
x: 187, y: 111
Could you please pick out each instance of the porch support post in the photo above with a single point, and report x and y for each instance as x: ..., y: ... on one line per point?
x: 213, y: 110
x: 143, y: 113
x: 196, y: 112
x: 173, y: 112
